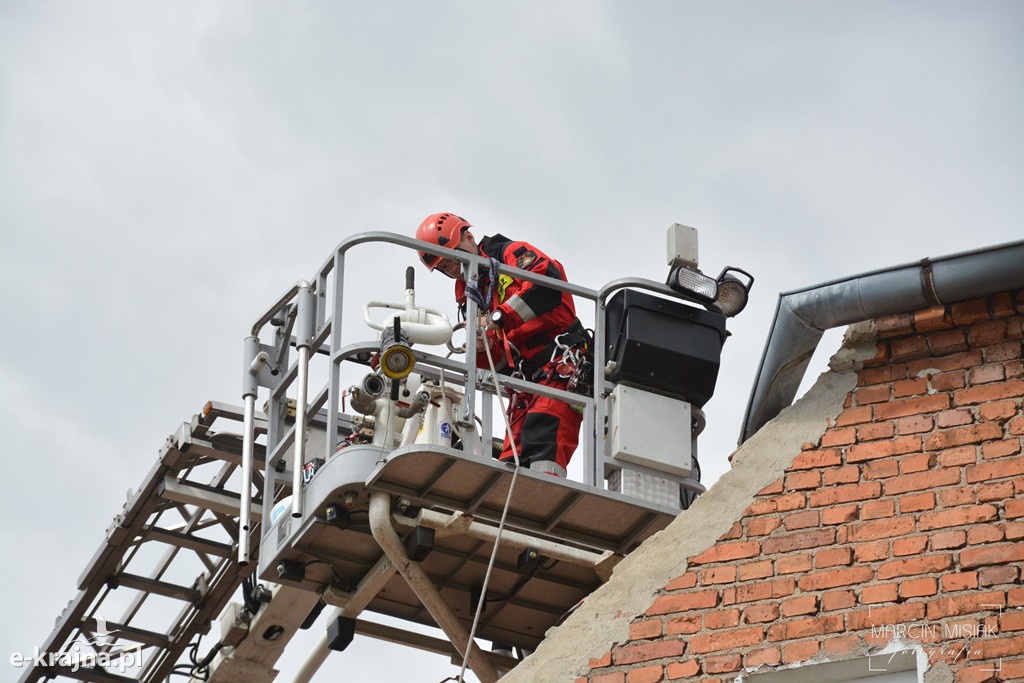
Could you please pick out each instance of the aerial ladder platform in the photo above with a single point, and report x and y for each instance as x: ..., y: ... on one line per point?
x: 377, y: 492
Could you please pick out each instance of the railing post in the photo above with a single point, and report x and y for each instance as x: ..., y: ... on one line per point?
x: 250, y: 387
x: 305, y: 325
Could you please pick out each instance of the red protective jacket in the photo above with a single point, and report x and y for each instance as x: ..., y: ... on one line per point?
x: 532, y: 315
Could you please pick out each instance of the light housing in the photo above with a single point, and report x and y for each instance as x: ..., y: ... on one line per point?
x: 396, y: 358
x: 727, y: 293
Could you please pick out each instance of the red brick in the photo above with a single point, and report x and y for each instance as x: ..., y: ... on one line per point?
x: 947, y: 341
x: 883, y: 449
x: 881, y: 528
x: 612, y: 677
x: 602, y: 661
x: 769, y: 656
x: 881, y: 616
x: 1014, y: 530
x: 804, y: 519
x: 949, y: 381
x: 1003, y: 352
x: 734, y: 532
x: 682, y: 582
x: 648, y: 674
x: 989, y: 392
x: 999, y: 490
x: 847, y: 474
x: 967, y: 312
x: 941, y: 519
x: 1000, y: 410
x: 998, y: 469
x: 881, y: 469
x: 645, y: 652
x: 875, y: 509
x: 986, y: 374
x: 840, y: 599
x: 725, y: 552
x: 677, y: 670
x: 916, y: 502
x: 958, y: 457
x: 959, y: 582
x: 841, y: 645
x: 925, y: 564
x: 803, y: 604
x: 799, y: 541
x: 838, y: 437
x: 812, y: 459
x: 949, y: 540
x: 805, y: 479
x: 762, y: 526
x: 684, y: 624
x: 802, y: 628
x: 834, y: 578
x: 759, y: 614
x: 956, y: 361
x: 961, y: 495
x: 959, y: 436
x: 934, y: 318
x: 681, y: 602
x: 782, y: 503
x: 918, y: 405
x: 922, y: 481
x: 877, y: 430
x: 864, y: 396
x: 755, y: 570
x: 1011, y: 621
x: 908, y: 348
x: 716, y: 575
x: 910, y: 387
x: 722, y: 619
x: 901, y: 547
x: 966, y: 604
x: 720, y: 664
x: 846, y: 493
x: 915, y: 424
x: 644, y: 630
x: 918, y: 462
x: 953, y: 418
x: 762, y: 590
x: 1013, y: 509
x: 993, y: 554
x: 793, y: 564
x: 882, y: 592
x: 800, y: 652
x: 854, y: 416
x: 771, y: 489
x: 833, y: 557
x: 984, y: 533
x: 1000, y: 449
x: 1015, y: 597
x: 871, y: 552
x: 726, y: 640
x: 916, y: 588
x: 840, y: 514
x: 997, y: 576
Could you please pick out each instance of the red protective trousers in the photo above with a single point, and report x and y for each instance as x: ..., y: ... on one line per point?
x: 543, y: 428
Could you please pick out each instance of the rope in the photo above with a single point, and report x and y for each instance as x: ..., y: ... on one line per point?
x: 504, y: 513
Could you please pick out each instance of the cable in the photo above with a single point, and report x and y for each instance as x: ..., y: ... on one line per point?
x: 504, y: 513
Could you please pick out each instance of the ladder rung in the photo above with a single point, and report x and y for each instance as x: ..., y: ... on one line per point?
x: 147, y: 585
x: 136, y: 635
x: 189, y: 541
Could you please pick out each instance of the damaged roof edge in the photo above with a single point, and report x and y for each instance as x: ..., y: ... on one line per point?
x: 802, y: 316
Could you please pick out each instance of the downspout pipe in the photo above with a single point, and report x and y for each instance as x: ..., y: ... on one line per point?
x: 802, y: 316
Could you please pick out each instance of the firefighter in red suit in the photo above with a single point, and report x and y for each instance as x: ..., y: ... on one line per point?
x: 523, y: 322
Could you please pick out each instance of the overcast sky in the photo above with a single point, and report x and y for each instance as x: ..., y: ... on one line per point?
x: 168, y: 169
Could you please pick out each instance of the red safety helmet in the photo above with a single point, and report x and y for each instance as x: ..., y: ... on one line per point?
x: 442, y: 229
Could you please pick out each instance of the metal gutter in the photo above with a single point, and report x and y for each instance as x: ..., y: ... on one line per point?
x: 802, y: 316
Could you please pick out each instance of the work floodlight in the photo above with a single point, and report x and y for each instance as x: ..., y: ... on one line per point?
x: 727, y: 294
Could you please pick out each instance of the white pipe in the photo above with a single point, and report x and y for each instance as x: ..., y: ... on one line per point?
x: 426, y: 591
x: 464, y: 524
x: 245, y: 514
x: 300, y: 431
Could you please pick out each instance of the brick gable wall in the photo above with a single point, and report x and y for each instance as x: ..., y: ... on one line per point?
x: 908, y: 511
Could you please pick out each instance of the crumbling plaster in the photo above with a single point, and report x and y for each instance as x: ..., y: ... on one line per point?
x: 603, y: 619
